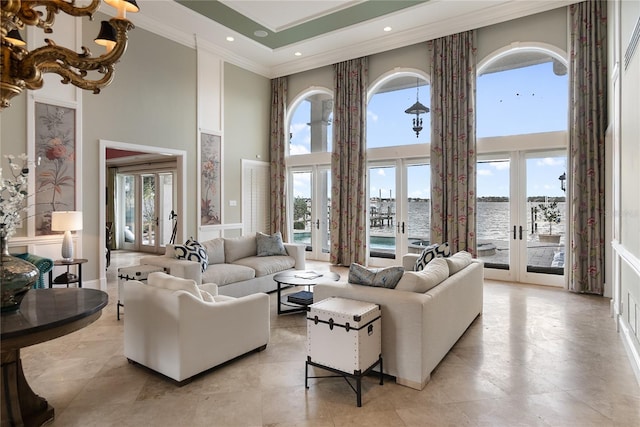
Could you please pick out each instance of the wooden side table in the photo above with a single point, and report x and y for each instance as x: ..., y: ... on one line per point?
x: 44, y: 314
x: 65, y: 278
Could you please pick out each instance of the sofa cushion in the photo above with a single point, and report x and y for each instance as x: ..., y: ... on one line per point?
x: 458, y: 261
x: 236, y: 248
x: 378, y: 277
x: 223, y: 274
x: 215, y: 250
x: 192, y: 250
x: 430, y: 252
x: 263, y: 266
x: 432, y: 275
x: 166, y: 281
x: 270, y: 245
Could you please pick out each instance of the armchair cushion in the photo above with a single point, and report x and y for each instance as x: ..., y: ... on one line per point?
x: 165, y: 281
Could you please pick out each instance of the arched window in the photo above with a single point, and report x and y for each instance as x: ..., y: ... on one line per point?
x: 521, y: 92
x: 310, y: 129
x: 388, y: 123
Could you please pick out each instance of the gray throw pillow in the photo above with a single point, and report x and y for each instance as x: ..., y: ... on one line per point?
x: 270, y: 245
x: 377, y: 277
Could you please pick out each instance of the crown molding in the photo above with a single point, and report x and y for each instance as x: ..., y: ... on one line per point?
x: 166, y: 18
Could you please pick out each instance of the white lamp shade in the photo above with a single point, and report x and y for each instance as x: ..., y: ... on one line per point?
x: 66, y: 220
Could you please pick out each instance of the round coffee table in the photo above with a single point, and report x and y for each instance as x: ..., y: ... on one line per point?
x: 301, y: 299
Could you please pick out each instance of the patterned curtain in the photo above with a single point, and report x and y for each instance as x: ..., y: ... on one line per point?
x: 277, y: 154
x: 588, y: 122
x: 453, y: 141
x: 348, y: 163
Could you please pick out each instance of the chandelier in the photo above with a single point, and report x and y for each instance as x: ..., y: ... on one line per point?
x: 417, y: 109
x: 21, y: 68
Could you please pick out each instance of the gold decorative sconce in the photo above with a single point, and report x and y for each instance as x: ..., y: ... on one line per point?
x: 22, y: 69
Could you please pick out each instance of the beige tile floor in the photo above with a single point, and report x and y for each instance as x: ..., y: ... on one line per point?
x: 536, y: 357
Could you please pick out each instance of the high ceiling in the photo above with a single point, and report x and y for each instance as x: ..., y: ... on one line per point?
x: 276, y: 38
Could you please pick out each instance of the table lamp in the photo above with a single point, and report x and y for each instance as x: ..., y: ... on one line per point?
x: 66, y: 221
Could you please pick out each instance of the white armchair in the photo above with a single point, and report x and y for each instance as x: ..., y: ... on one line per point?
x: 171, y: 329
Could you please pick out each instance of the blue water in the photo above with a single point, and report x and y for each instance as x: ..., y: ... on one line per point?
x: 493, y: 224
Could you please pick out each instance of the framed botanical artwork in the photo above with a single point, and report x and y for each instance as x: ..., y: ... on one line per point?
x: 55, y: 172
x: 210, y: 172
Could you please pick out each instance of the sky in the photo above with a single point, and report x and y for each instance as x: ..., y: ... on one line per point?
x: 519, y: 101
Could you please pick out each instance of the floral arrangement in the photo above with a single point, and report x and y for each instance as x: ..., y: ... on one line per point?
x: 13, y: 194
x: 550, y: 213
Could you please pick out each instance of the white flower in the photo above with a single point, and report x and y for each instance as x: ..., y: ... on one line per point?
x: 13, y: 194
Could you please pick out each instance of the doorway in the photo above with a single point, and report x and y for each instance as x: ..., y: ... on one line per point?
x: 311, y: 210
x: 516, y: 241
x: 399, y: 209
x: 178, y: 189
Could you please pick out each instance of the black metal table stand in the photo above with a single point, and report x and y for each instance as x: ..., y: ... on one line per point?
x: 357, y: 375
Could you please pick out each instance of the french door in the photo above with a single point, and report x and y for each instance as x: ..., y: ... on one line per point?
x: 398, y: 210
x: 515, y: 241
x: 146, y: 203
x: 311, y: 210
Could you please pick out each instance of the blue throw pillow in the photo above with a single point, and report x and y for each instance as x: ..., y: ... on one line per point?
x: 270, y: 245
x: 377, y: 277
x: 193, y: 251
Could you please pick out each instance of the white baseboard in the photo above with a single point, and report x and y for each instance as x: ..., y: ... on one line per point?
x: 630, y: 345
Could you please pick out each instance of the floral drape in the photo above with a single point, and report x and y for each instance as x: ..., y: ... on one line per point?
x: 277, y: 154
x: 453, y: 141
x: 588, y: 122
x: 348, y: 163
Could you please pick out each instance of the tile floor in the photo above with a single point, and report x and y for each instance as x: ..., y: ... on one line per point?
x: 536, y: 357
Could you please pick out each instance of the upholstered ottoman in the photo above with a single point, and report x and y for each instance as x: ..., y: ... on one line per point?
x: 135, y: 272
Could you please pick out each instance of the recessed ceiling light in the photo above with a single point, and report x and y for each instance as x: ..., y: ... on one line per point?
x: 260, y: 33
x: 230, y: 39
x: 298, y: 54
x: 387, y: 29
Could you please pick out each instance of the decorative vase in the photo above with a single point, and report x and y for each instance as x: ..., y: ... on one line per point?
x: 17, y: 276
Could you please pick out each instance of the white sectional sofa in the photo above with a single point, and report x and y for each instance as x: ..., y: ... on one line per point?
x: 233, y: 265
x: 418, y: 329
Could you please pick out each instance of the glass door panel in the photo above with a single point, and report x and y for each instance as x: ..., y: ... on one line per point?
x: 149, y: 212
x: 417, y: 220
x: 494, y: 227
x: 126, y: 227
x: 382, y: 214
x: 545, y: 208
x: 302, y: 208
x: 322, y: 211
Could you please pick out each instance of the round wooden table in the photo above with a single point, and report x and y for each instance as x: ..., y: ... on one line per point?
x: 44, y: 314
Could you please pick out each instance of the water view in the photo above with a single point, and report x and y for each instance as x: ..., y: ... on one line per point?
x: 493, y: 232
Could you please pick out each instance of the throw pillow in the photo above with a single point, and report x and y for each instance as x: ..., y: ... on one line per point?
x: 458, y: 261
x: 431, y: 276
x: 430, y: 252
x: 377, y: 277
x: 166, y: 281
x: 192, y: 251
x: 270, y: 245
